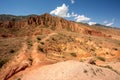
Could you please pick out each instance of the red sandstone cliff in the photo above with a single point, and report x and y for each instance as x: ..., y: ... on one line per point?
x: 55, y: 23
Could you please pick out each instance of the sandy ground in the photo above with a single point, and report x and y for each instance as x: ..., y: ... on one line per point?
x: 70, y: 70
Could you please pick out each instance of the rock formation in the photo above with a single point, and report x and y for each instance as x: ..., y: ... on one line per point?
x: 54, y: 23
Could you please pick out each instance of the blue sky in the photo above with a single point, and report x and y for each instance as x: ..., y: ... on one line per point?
x: 105, y: 12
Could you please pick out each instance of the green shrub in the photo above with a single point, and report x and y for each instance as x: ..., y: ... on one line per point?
x: 107, y: 53
x: 30, y: 59
x: 109, y: 67
x: 85, y: 71
x: 73, y: 54
x: 29, y: 43
x: 118, y: 59
x: 40, y: 48
x: 101, y: 58
x: 38, y: 38
x: 92, y: 49
x: 81, y: 43
x: 42, y: 43
x: 81, y: 60
x: 115, y: 49
x: 118, y: 43
x: 2, y: 62
x: 12, y: 51
x: 92, y: 61
x: 19, y: 79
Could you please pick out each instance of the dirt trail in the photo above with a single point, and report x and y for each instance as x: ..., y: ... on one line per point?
x: 48, y: 37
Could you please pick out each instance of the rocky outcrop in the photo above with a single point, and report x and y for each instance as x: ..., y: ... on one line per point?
x: 13, y: 24
x: 19, y: 63
x: 53, y: 22
x: 96, y: 33
x: 13, y: 70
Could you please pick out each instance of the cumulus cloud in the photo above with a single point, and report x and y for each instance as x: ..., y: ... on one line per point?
x: 68, y: 15
x: 73, y: 14
x: 109, y: 23
x: 81, y: 18
x: 61, y: 11
x: 91, y: 23
x: 72, y: 1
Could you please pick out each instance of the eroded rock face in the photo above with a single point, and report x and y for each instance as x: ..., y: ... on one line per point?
x: 54, y: 23
x: 17, y: 64
x: 13, y: 24
x: 13, y: 70
x: 14, y: 67
x: 95, y: 33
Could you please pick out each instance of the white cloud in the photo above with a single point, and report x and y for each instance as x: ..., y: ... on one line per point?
x: 109, y: 23
x: 73, y: 14
x: 72, y: 1
x: 61, y: 11
x: 81, y: 18
x: 68, y: 15
x: 91, y: 23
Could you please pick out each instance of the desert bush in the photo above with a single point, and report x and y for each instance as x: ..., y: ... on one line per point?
x: 118, y: 59
x: 109, y: 67
x: 42, y: 43
x: 115, y: 49
x: 101, y: 58
x: 107, y: 53
x: 40, y: 48
x: 92, y: 61
x: 29, y: 43
x: 92, y: 49
x: 2, y: 62
x: 38, y: 38
x: 94, y: 54
x: 30, y: 60
x: 19, y: 79
x: 118, y: 43
x: 73, y: 54
x: 12, y: 51
x: 85, y: 71
x: 81, y: 60
x: 81, y: 43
